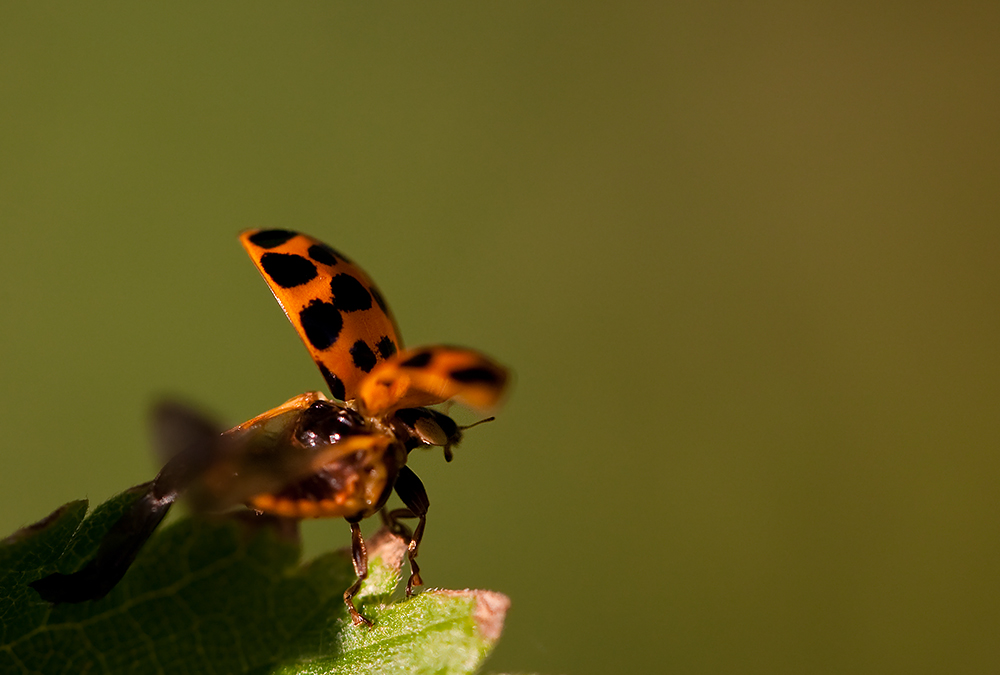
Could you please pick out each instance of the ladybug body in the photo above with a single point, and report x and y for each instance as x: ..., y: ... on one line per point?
x: 310, y: 457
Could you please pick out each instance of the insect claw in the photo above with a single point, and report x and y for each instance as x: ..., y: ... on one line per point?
x: 357, y: 619
x: 414, y: 580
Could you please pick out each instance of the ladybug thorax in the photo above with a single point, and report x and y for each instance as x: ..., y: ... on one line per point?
x: 326, y: 423
x: 337, y: 462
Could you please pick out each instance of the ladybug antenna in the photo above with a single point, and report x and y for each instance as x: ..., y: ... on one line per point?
x: 448, y: 454
x: 476, y: 424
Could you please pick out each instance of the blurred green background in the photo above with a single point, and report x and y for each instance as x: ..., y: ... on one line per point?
x: 743, y: 260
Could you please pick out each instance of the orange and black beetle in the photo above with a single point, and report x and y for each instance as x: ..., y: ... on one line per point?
x: 310, y: 457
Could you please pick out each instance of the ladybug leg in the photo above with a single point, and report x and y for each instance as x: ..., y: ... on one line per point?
x: 391, y: 522
x: 414, y: 496
x: 359, y: 555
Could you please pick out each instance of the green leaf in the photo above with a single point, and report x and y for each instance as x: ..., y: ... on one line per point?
x: 229, y: 596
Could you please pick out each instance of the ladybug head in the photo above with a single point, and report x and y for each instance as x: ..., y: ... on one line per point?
x: 424, y: 428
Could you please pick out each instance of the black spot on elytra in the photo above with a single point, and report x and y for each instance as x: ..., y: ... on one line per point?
x: 364, y: 357
x: 271, y: 238
x: 287, y: 269
x: 475, y: 375
x: 335, y: 384
x: 322, y: 253
x: 386, y: 347
x: 418, y: 360
x: 322, y: 323
x: 379, y: 300
x: 349, y: 294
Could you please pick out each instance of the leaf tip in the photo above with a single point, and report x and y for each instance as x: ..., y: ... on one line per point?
x: 491, y: 610
x: 489, y: 613
x: 79, y: 507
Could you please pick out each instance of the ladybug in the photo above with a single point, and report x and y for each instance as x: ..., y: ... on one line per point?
x: 312, y: 456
